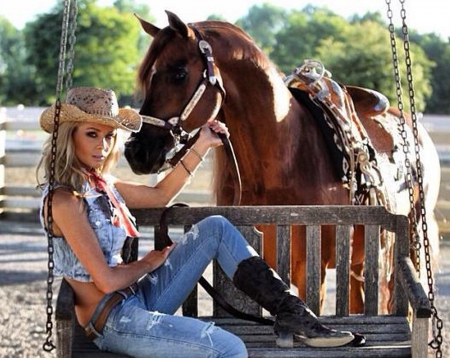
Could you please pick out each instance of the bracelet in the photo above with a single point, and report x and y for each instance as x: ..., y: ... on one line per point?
x: 185, y: 168
x: 199, y: 156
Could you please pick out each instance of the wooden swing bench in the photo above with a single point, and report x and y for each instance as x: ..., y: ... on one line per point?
x: 387, y: 335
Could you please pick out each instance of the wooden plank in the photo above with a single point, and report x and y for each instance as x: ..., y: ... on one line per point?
x: 343, y: 270
x: 284, y: 252
x: 371, y: 275
x: 313, y: 267
x: 419, y: 337
x: 282, y: 215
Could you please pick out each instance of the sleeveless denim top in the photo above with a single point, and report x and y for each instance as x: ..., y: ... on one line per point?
x: 110, y: 237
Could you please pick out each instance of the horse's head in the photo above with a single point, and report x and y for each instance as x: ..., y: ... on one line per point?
x: 182, y: 89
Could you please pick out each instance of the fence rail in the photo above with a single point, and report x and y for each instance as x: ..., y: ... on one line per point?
x: 25, y: 153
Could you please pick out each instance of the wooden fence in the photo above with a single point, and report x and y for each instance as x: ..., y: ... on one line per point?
x: 23, y: 196
x: 25, y: 152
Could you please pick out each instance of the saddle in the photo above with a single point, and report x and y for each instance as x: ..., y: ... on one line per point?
x: 340, y: 109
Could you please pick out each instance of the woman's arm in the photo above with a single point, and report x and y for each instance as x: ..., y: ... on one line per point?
x: 71, y: 221
x: 144, y: 196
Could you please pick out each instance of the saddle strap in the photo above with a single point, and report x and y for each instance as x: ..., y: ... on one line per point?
x: 216, y: 296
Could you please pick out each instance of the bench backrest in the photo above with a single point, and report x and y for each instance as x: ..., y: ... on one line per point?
x: 373, y: 218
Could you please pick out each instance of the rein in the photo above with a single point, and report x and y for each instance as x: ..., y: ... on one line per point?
x: 164, y: 231
x: 174, y: 124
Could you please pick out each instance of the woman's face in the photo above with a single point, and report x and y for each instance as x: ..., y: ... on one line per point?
x: 93, y: 143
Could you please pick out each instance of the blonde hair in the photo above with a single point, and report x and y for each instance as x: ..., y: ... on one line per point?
x: 68, y: 170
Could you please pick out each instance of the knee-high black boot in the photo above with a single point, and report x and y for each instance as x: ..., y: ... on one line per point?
x: 292, y: 316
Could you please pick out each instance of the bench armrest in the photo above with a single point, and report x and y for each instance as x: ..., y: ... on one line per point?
x: 413, y: 288
x: 65, y: 303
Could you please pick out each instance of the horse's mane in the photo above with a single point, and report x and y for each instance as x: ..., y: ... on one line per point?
x: 211, y: 30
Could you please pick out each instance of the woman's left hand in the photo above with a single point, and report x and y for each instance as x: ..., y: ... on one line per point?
x: 209, y: 132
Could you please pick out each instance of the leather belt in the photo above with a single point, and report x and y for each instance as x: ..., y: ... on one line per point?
x: 95, y: 328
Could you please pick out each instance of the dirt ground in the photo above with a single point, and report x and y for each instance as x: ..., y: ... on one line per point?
x: 23, y: 272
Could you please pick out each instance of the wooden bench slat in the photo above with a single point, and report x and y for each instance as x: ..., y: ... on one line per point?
x: 371, y: 276
x: 342, y: 270
x: 313, y: 267
x: 284, y: 252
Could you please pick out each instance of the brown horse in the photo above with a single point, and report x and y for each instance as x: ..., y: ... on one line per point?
x: 213, y: 69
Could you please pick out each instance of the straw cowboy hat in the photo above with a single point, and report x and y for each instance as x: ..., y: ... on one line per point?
x: 93, y: 105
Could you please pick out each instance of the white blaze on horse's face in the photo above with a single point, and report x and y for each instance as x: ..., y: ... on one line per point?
x: 281, y: 106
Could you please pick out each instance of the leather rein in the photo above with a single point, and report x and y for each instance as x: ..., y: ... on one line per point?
x: 174, y: 124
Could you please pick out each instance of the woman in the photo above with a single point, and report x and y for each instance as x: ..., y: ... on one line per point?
x: 128, y: 307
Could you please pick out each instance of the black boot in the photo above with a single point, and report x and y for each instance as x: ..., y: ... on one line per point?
x: 293, y: 317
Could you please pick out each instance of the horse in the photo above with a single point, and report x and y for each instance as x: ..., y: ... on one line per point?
x: 214, y: 69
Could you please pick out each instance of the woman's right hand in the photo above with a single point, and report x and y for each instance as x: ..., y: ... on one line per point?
x: 210, y: 130
x: 156, y: 258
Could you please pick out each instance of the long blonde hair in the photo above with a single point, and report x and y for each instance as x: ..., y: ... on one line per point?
x: 68, y: 170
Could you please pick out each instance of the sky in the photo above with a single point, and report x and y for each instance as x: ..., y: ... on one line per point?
x: 423, y: 16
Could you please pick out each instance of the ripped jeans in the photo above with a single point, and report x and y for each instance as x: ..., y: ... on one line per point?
x: 144, y: 325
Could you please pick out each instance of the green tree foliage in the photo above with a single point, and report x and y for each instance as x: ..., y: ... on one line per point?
x: 438, y: 52
x: 110, y: 45
x: 356, y: 52
x: 263, y: 23
x: 302, y: 33
x: 106, y: 49
x: 16, y: 84
x: 363, y: 57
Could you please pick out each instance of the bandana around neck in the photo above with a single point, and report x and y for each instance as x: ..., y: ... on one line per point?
x: 123, y: 214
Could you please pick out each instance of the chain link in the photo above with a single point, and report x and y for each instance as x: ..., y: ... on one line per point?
x: 69, y: 11
x: 437, y: 324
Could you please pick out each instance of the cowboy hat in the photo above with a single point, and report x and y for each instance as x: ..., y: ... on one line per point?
x: 92, y: 105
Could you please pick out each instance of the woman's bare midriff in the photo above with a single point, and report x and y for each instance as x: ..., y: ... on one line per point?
x: 87, y: 297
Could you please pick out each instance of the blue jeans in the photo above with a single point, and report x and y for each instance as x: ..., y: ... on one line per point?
x: 144, y: 325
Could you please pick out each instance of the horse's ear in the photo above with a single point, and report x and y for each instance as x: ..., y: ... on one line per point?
x: 179, y: 26
x: 150, y: 29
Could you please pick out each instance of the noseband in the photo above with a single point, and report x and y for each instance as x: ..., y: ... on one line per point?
x: 174, y: 124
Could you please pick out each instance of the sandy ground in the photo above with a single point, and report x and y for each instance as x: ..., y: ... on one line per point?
x: 23, y: 267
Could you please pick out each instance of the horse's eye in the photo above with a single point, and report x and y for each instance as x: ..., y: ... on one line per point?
x: 179, y: 76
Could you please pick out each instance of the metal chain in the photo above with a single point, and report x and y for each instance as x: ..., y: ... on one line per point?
x: 415, y: 242
x: 72, y: 40
x: 437, y: 323
x: 48, y: 345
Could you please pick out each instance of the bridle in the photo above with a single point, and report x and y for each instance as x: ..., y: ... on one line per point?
x: 174, y: 124
x: 209, y: 77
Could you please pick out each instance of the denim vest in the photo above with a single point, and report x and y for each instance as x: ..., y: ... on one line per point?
x: 111, y: 238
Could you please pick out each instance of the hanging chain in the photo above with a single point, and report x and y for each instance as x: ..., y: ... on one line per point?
x: 72, y: 40
x: 413, y: 222
x: 48, y: 345
x: 437, y: 324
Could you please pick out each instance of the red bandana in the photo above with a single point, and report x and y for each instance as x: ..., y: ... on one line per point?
x: 122, y: 213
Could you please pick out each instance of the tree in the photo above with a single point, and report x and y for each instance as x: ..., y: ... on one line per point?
x: 364, y: 58
x: 106, y: 49
x: 262, y: 23
x: 438, y: 52
x: 15, y: 77
x: 302, y: 33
